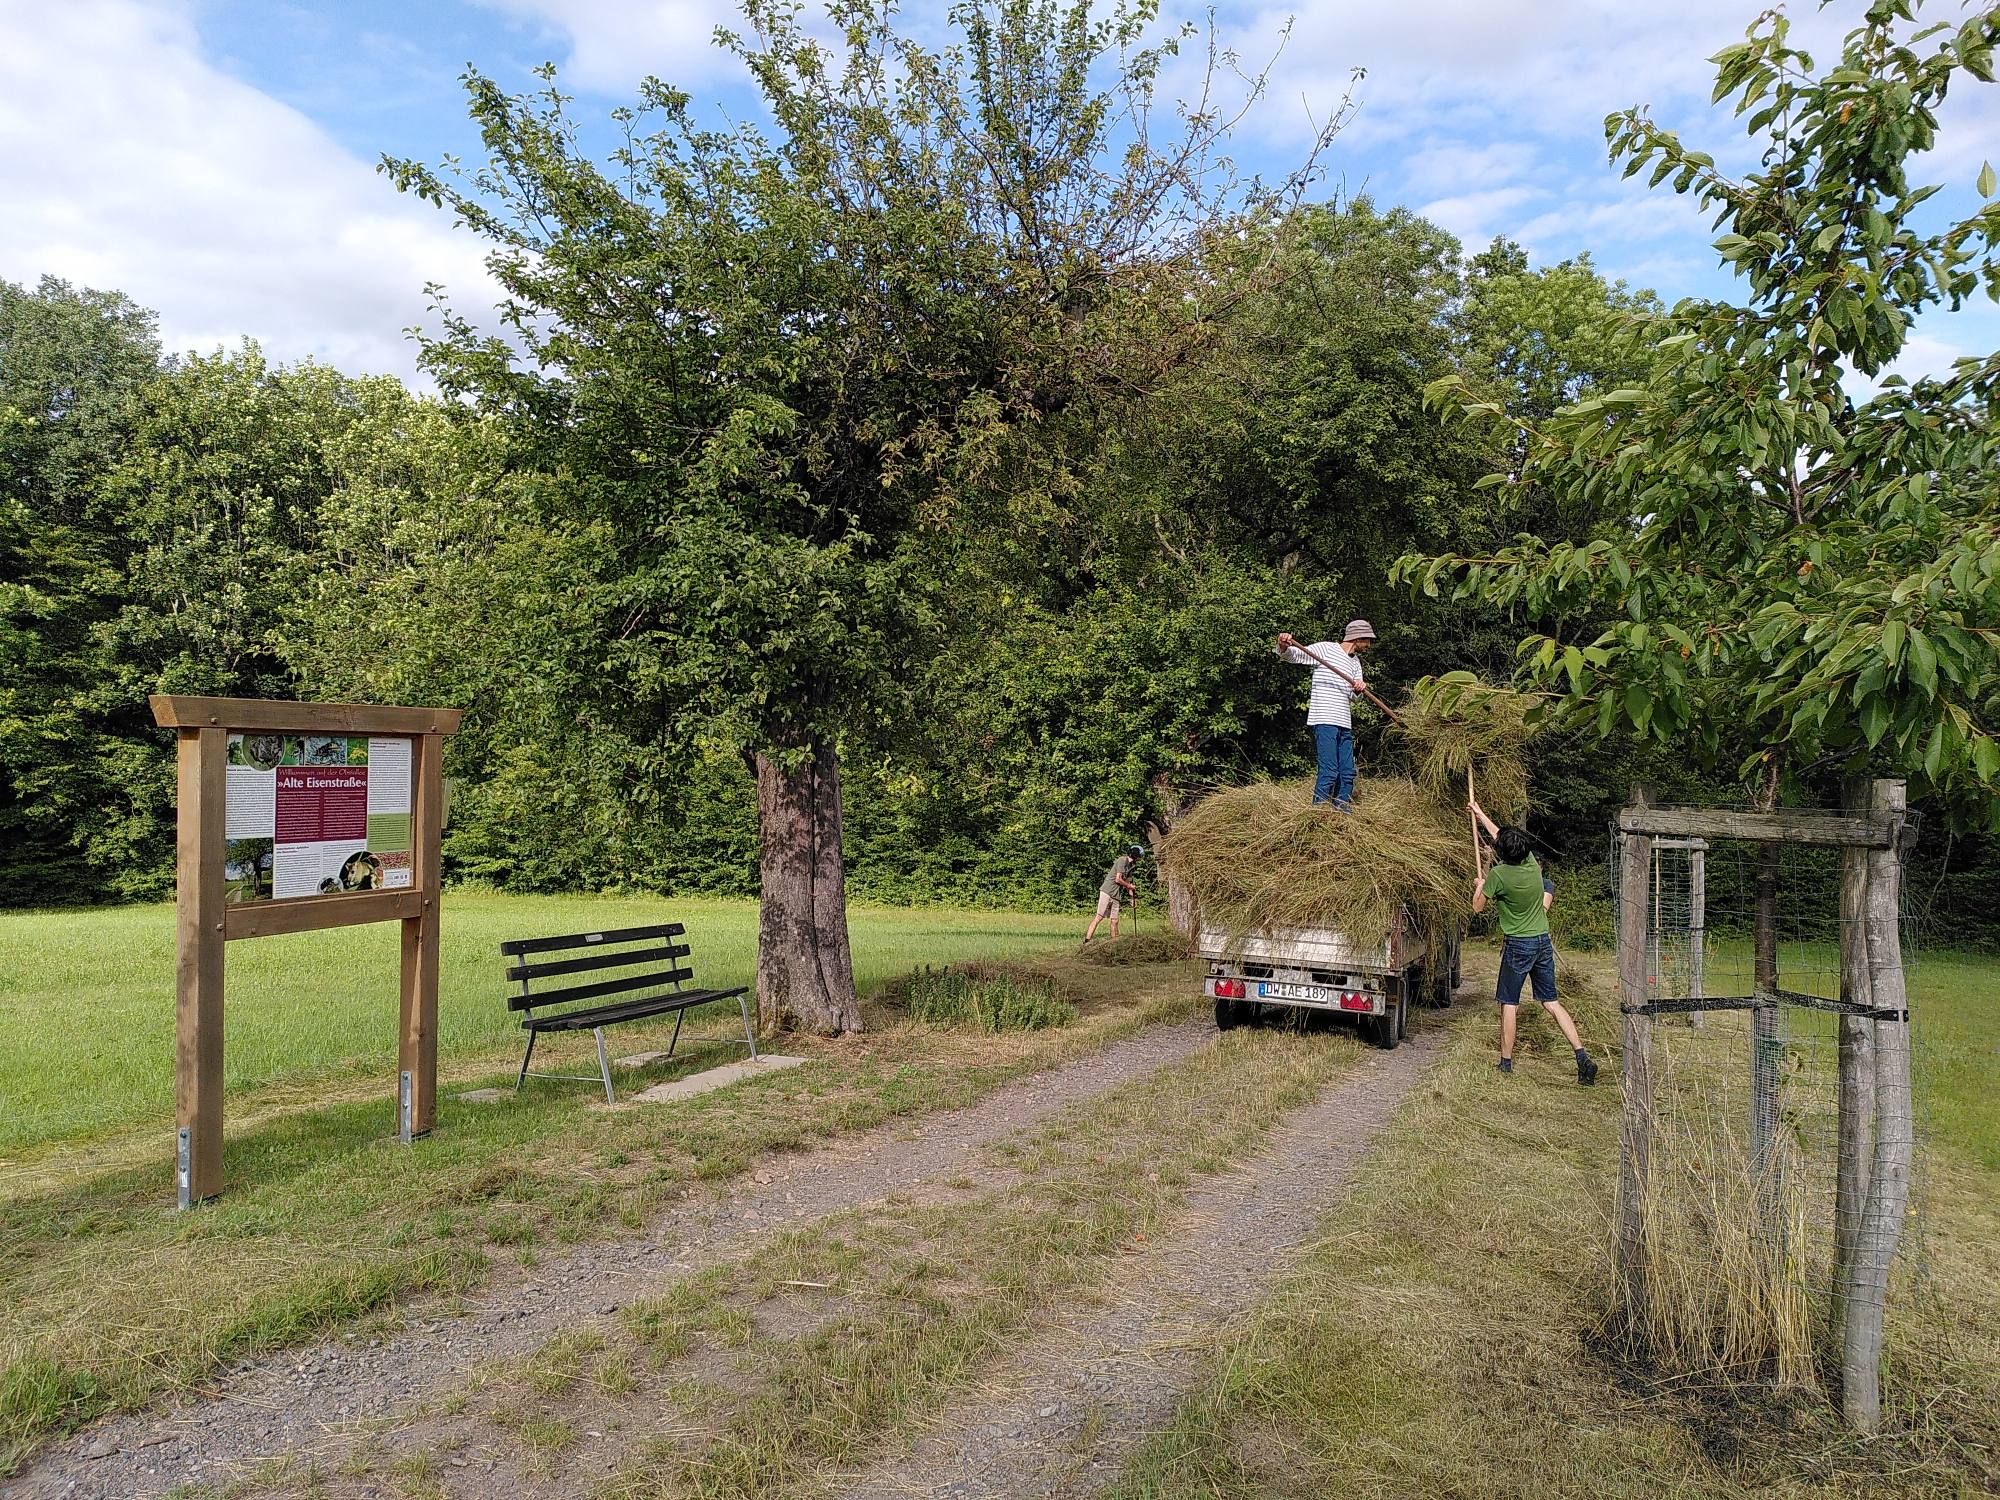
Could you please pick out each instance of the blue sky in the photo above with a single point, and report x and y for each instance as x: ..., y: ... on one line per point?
x: 215, y: 158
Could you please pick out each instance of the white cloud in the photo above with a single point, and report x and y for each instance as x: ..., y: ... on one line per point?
x: 1476, y: 217
x: 1445, y: 166
x: 615, y: 43
x: 128, y: 162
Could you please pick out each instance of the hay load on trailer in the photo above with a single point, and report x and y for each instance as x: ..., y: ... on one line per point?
x: 1356, y: 913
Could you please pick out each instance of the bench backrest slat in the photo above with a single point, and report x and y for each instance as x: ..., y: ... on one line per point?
x: 657, y: 979
x: 597, y: 961
x: 653, y: 956
x: 523, y: 946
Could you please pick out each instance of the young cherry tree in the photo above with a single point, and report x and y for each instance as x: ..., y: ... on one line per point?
x: 1801, y: 579
x: 766, y: 365
x: 1798, y: 579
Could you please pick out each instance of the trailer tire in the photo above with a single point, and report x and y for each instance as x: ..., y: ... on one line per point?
x: 1441, y: 986
x: 1227, y: 1017
x: 1386, y: 1030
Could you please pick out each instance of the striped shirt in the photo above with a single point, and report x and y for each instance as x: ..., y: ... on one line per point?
x: 1330, y: 696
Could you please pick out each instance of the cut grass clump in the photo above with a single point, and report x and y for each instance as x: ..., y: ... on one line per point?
x: 1456, y: 723
x: 1266, y: 856
x: 1138, y: 948
x: 987, y: 1000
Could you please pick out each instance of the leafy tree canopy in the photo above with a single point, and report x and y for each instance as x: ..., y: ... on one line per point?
x: 1799, y: 580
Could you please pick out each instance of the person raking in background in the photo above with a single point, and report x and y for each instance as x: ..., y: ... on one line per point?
x: 1331, y: 714
x: 1116, y: 884
x: 1522, y: 896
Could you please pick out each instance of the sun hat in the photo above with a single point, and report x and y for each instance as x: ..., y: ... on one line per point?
x: 1358, y: 630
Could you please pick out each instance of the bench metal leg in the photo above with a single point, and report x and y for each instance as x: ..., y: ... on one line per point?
x: 749, y: 1031
x: 523, y: 1078
x: 679, y: 1016
x: 603, y: 1063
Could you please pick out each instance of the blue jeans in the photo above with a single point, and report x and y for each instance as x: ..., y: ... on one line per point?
x: 1529, y: 958
x: 1336, y: 764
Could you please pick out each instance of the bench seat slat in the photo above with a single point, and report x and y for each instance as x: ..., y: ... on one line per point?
x: 521, y: 946
x: 628, y: 1010
x: 652, y: 954
x: 575, y: 992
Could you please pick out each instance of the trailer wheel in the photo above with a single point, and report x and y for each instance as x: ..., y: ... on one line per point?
x: 1442, y: 983
x: 1386, y: 1030
x: 1226, y: 1016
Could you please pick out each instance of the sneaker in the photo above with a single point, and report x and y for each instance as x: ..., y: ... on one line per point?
x: 1506, y: 1064
x: 1586, y: 1070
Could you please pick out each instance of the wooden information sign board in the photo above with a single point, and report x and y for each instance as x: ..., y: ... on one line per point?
x: 293, y: 817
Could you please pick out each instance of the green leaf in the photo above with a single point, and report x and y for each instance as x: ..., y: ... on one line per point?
x: 1986, y: 759
x: 1874, y: 719
x: 1923, y: 663
x: 1638, y: 705
x: 1986, y: 180
x: 1892, y: 641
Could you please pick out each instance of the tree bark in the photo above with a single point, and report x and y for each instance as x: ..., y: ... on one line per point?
x: 1881, y: 1227
x: 805, y: 968
x: 1857, y: 1078
x: 1182, y: 918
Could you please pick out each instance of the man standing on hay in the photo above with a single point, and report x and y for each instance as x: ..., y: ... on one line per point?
x: 1336, y: 680
x: 1516, y: 887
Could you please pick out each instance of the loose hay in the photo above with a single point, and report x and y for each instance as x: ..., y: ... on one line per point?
x: 1266, y: 856
x: 1456, y: 721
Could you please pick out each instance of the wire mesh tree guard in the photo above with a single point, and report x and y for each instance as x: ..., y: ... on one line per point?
x: 1767, y: 1138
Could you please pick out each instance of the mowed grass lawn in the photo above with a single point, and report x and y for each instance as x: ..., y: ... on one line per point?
x: 108, y: 1296
x: 87, y: 996
x: 1442, y: 1336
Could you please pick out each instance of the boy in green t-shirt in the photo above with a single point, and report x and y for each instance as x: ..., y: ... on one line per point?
x: 1522, y: 898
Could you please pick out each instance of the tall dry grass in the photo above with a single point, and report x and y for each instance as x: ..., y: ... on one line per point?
x: 1735, y: 1277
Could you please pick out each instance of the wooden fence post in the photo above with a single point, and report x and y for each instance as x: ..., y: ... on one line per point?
x: 201, y: 764
x: 1857, y: 1072
x: 1635, y: 1138
x: 1894, y: 1142
x: 1697, y: 924
x: 417, y: 1052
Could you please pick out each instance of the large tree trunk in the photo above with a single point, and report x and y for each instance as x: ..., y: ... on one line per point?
x: 805, y: 970
x: 1182, y: 918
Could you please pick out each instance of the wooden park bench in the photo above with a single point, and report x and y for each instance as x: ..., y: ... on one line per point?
x: 642, y: 966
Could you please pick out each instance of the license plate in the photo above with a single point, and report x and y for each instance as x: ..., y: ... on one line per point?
x: 1273, y: 990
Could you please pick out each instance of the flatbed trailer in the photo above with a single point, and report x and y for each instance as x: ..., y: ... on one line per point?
x: 1326, y: 972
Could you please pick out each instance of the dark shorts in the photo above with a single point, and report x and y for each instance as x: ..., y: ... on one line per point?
x: 1527, y: 958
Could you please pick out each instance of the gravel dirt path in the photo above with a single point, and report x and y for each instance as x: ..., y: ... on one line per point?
x: 1062, y: 1416
x: 306, y: 1398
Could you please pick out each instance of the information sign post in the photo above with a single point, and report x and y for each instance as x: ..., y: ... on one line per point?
x: 295, y: 817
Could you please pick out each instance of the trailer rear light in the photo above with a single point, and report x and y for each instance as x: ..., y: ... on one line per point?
x: 1356, y: 1002
x: 1229, y: 989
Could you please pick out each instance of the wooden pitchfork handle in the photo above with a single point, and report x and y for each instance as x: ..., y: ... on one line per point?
x: 1394, y: 717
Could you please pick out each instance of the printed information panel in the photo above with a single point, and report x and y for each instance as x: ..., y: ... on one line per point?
x: 309, y: 815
